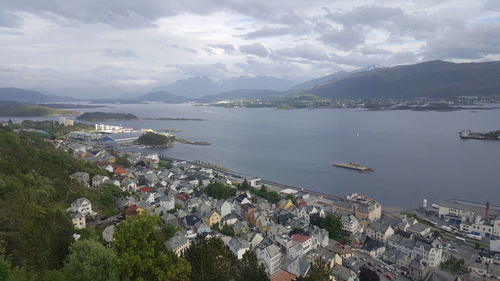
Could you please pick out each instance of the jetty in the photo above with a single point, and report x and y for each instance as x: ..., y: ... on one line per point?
x: 353, y: 166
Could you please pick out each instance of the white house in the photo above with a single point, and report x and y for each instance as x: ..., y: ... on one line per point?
x: 271, y: 257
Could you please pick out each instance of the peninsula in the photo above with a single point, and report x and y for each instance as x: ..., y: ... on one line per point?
x: 33, y: 111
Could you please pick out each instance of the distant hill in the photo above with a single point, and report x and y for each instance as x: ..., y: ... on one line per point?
x: 250, y: 94
x: 428, y: 79
x: 317, y: 81
x: 28, y: 96
x: 162, y: 96
x: 196, y: 87
x: 106, y: 116
x: 32, y: 111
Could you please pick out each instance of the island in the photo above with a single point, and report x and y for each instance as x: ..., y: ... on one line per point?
x: 156, y: 140
x: 33, y: 111
x: 175, y: 119
x: 467, y: 134
x: 353, y: 166
x: 181, y: 140
x: 106, y: 116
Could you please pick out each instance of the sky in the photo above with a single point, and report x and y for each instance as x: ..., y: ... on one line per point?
x: 131, y: 45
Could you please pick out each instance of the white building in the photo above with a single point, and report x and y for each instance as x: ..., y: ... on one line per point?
x: 271, y: 257
x: 82, y: 206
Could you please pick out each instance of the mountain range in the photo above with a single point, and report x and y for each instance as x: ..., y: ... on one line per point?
x: 196, y: 87
x: 427, y: 79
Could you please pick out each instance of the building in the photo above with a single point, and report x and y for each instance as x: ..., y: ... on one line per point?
x: 178, y: 244
x: 81, y: 177
x: 65, y: 122
x: 103, y: 128
x: 78, y: 220
x: 458, y: 211
x: 120, y: 138
x: 270, y: 256
x: 82, y: 206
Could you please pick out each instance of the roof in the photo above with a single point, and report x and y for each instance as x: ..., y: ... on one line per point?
x: 145, y: 189
x: 300, y: 238
x: 282, y: 276
x: 120, y: 170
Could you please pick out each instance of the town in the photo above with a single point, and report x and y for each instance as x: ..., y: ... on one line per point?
x: 286, y: 227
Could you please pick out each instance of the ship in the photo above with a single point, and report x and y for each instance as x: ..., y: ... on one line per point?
x: 467, y: 134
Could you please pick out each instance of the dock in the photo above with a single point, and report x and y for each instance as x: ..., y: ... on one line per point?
x: 353, y: 166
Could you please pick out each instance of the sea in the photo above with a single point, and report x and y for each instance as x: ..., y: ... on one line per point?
x: 415, y: 155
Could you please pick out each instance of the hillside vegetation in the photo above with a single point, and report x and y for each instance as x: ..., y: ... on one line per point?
x: 33, y: 111
x: 106, y: 116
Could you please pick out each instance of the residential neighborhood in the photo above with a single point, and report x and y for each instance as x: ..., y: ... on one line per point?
x: 286, y: 231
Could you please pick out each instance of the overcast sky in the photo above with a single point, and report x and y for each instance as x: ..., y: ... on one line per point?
x: 145, y: 43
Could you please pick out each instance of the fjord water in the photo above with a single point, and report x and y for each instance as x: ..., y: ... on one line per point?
x: 415, y: 155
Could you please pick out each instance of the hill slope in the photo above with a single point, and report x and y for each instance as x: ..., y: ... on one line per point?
x: 28, y: 96
x: 428, y: 79
x: 33, y: 111
x: 250, y: 94
x: 162, y: 96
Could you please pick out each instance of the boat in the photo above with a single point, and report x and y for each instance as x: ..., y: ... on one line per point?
x: 354, y: 166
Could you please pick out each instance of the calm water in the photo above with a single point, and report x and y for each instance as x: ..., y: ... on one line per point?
x: 415, y: 155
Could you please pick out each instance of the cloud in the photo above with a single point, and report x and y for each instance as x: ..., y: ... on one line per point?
x: 124, y: 53
x: 137, y: 82
x: 344, y: 39
x: 256, y: 49
x: 185, y: 49
x: 228, y: 48
x: 8, y: 19
x: 304, y: 51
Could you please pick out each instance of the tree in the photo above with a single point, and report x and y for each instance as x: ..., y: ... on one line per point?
x: 333, y: 225
x: 169, y: 231
x: 210, y: 260
x: 4, y: 269
x: 142, y: 255
x: 123, y: 161
x: 249, y: 268
x: 219, y: 190
x: 89, y: 260
x: 366, y: 274
x: 319, y: 271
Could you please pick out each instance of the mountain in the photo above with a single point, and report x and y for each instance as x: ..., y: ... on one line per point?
x: 162, y: 96
x: 427, y: 79
x: 250, y: 94
x: 28, y: 96
x: 339, y: 74
x: 317, y: 81
x: 196, y: 87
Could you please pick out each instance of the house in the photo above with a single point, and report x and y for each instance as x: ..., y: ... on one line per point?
x: 81, y: 177
x: 212, y: 218
x: 304, y: 241
x: 238, y: 246
x: 120, y: 171
x: 342, y: 273
x: 320, y: 237
x: 240, y: 228
x: 285, y: 204
x: 419, y: 229
x: 78, y: 220
x: 129, y: 185
x: 282, y: 276
x: 178, y: 244
x: 247, y: 211
x: 97, y: 180
x: 380, y: 231
x: 167, y: 202
x: 254, y: 238
x: 224, y: 208
x: 417, y: 269
x: 82, y: 206
x: 299, y: 266
x: 350, y: 223
x: 374, y: 248
x: 270, y: 256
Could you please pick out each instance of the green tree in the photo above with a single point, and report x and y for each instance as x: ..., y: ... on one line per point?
x: 142, y: 255
x: 319, y: 271
x: 4, y: 269
x: 169, y: 231
x: 219, y: 190
x: 249, y: 268
x: 89, y: 260
x: 333, y: 225
x: 123, y: 161
x: 211, y: 260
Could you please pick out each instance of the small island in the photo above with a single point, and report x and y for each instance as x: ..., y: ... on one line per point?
x: 191, y: 142
x: 106, y: 116
x: 175, y: 119
x: 467, y: 134
x: 156, y: 140
x: 171, y: 130
x: 33, y: 111
x: 353, y: 166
